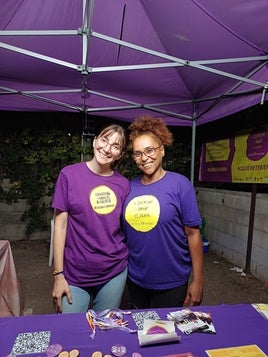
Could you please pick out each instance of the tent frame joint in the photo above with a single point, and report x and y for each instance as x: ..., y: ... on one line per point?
x: 83, y: 69
x: 84, y: 31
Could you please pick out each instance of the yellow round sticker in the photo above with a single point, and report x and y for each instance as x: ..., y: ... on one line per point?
x: 103, y: 200
x: 142, y: 213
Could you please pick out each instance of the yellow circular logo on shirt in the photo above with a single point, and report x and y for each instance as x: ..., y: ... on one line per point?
x: 142, y: 213
x: 103, y: 200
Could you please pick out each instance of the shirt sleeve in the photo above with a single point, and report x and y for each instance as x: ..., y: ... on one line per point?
x: 60, y: 197
x: 190, y: 212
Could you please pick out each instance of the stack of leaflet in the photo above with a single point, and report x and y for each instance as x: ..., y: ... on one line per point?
x: 189, y: 321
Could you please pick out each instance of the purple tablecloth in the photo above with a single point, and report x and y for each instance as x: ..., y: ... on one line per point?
x: 235, y: 325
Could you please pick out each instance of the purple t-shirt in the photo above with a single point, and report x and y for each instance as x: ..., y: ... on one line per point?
x: 154, y: 220
x: 95, y: 249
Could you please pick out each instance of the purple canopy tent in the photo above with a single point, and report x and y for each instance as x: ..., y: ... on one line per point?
x: 188, y: 61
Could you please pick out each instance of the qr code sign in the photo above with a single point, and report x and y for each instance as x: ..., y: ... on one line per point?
x: 31, y: 342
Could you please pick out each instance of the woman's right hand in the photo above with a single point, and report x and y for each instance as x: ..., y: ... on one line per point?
x: 61, y: 288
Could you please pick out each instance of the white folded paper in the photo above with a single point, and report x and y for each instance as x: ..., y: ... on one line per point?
x: 157, y: 331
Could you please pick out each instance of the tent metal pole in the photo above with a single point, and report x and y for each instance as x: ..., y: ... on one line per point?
x: 251, y: 227
x: 193, y: 150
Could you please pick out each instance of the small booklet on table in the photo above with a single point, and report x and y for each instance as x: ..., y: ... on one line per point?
x: 262, y: 309
x: 239, y: 351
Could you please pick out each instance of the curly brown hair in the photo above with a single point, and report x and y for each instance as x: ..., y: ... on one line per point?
x: 147, y: 125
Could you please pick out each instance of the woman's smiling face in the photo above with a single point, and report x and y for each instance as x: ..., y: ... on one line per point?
x: 107, y: 149
x: 148, y: 154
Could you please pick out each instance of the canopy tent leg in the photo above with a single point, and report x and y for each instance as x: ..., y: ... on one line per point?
x: 88, y: 134
x: 193, y: 148
x: 250, y: 227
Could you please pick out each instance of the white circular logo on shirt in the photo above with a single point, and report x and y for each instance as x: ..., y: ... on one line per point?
x: 103, y: 200
x: 142, y: 213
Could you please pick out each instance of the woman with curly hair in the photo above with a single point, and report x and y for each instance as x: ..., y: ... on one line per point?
x: 161, y: 222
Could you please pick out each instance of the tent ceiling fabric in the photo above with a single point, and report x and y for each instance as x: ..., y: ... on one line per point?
x: 187, y: 60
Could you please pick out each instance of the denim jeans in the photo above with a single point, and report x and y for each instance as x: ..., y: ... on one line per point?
x: 105, y: 296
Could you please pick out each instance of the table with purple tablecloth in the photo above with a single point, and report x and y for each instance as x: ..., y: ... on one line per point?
x: 235, y: 325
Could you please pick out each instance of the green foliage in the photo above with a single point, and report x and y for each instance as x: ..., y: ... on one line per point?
x: 127, y: 166
x: 178, y: 158
x: 32, y: 159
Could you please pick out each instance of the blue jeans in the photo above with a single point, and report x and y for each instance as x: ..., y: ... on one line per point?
x: 105, y: 296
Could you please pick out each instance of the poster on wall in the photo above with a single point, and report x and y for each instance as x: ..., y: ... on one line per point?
x: 238, y: 159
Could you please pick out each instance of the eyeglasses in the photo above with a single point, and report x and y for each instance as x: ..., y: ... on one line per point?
x: 149, y: 152
x: 104, y: 142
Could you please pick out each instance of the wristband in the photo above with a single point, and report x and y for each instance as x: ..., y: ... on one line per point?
x: 56, y: 272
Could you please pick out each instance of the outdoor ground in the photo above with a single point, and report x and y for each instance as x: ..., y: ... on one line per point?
x: 224, y: 283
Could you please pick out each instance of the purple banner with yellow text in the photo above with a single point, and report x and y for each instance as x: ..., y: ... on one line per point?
x: 239, y: 159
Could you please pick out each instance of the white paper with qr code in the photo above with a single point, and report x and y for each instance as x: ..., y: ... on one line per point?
x: 140, y: 316
x: 31, y: 342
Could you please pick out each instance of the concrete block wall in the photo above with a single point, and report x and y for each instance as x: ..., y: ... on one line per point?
x: 227, y: 215
x: 12, y: 227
